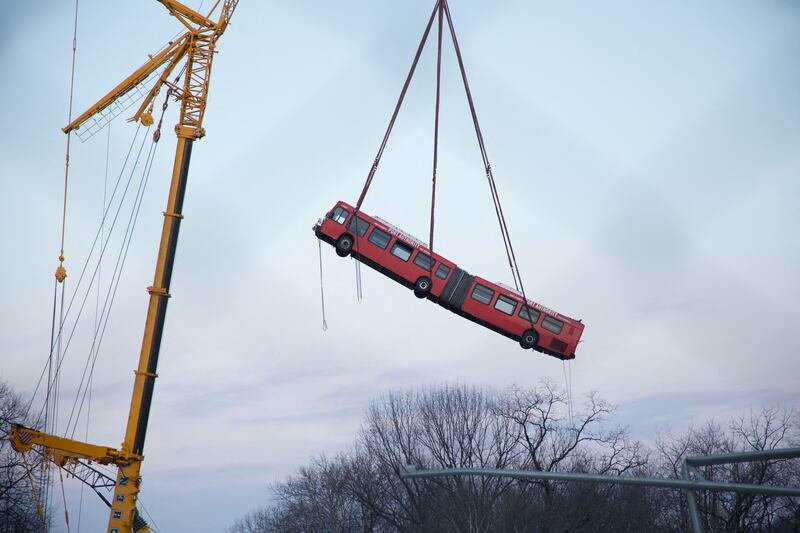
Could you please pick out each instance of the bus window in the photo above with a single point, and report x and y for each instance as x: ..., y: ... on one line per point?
x: 423, y: 261
x: 483, y: 294
x: 505, y: 305
x: 401, y: 250
x: 442, y: 271
x: 380, y: 238
x: 551, y: 324
x: 531, y: 315
x: 339, y: 215
x: 358, y: 225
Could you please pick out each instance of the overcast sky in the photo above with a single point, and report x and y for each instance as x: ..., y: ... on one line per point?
x: 646, y: 154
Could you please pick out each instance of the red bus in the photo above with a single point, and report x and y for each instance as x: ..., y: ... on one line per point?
x: 408, y: 260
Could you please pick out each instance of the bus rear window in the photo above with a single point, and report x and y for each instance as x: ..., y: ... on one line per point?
x: 551, y: 324
x: 483, y: 294
x: 358, y: 225
x: 380, y: 238
x: 423, y: 261
x: 339, y: 215
x: 401, y: 250
x: 506, y: 305
x: 442, y: 271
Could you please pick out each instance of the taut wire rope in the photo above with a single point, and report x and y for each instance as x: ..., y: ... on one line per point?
x: 397, y: 107
x: 85, y: 266
x: 442, y: 5
x: 435, y: 138
x: 61, y: 272
x: 103, y: 248
x: 488, y: 167
x: 115, y: 280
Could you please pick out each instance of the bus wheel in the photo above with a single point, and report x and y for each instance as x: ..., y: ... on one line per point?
x: 344, y: 245
x: 529, y: 339
x: 422, y: 287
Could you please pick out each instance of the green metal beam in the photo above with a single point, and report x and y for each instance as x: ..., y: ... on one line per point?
x: 744, y: 457
x: 619, y: 480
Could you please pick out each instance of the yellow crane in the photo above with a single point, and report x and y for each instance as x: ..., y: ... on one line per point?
x: 197, y: 47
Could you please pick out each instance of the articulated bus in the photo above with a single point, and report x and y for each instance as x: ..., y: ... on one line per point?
x: 408, y: 260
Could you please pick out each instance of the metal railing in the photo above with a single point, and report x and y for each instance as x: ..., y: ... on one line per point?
x: 687, y: 484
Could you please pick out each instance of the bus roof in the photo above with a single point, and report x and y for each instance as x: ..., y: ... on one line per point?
x: 401, y: 233
x: 534, y: 304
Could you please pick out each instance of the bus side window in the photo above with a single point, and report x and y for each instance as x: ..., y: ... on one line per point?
x: 379, y: 238
x: 531, y: 315
x: 506, y: 305
x: 443, y: 271
x: 401, y: 250
x: 339, y: 215
x: 553, y: 325
x: 483, y: 294
x: 358, y: 225
x: 423, y: 261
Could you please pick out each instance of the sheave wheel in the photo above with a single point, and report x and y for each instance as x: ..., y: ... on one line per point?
x: 529, y: 339
x: 344, y: 245
x: 422, y: 287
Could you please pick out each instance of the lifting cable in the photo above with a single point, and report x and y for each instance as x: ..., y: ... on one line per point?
x: 86, y: 264
x: 442, y: 6
x: 112, y: 291
x: 55, y: 340
x: 568, y: 389
x: 64, y: 497
x: 359, y: 287
x: 399, y: 104
x: 51, y: 399
x: 512, y: 261
x: 385, y: 140
x: 322, y: 288
x: 61, y: 272
x: 436, y: 136
x: 39, y: 508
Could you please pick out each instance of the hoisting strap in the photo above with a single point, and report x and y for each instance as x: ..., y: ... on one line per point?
x: 440, y: 9
x: 442, y: 6
x: 321, y: 288
x: 377, y: 160
x: 512, y: 260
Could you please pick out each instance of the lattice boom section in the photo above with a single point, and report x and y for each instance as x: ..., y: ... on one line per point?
x: 90, y: 476
x: 197, y: 80
x: 102, y: 118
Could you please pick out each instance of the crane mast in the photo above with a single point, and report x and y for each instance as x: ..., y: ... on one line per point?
x: 197, y: 46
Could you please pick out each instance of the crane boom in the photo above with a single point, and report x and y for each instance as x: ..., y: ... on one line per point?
x: 174, y: 52
x: 197, y: 45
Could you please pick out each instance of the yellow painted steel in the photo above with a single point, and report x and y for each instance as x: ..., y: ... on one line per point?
x: 59, y: 449
x: 197, y: 46
x: 170, y: 53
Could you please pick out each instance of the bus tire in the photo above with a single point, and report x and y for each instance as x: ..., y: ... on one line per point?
x: 529, y: 339
x: 344, y: 245
x: 422, y: 287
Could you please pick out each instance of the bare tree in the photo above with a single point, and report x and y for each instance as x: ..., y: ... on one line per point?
x: 767, y: 429
x: 444, y: 427
x: 18, y: 512
x: 551, y: 437
x: 537, y: 428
